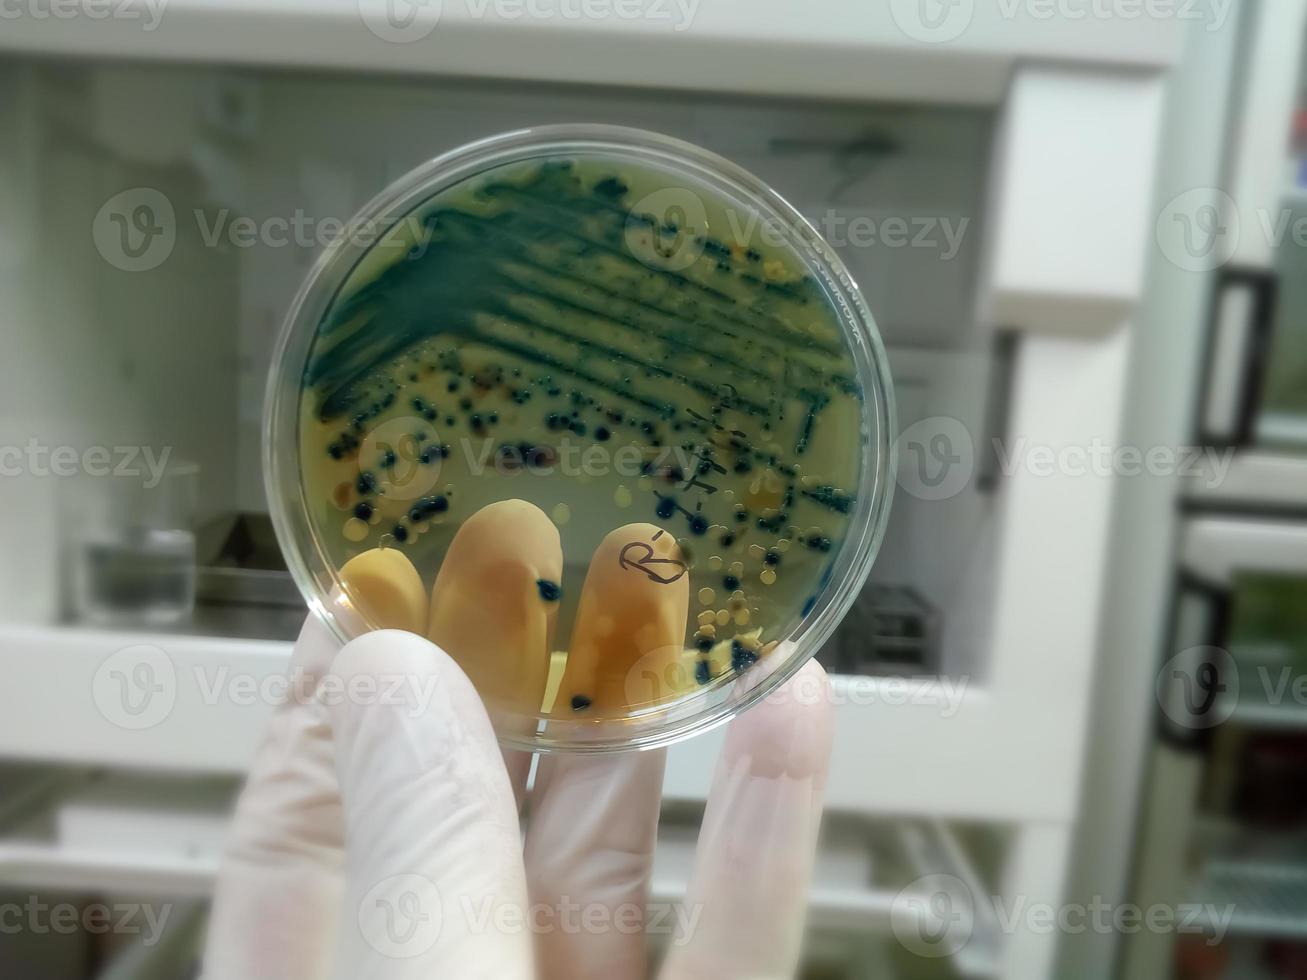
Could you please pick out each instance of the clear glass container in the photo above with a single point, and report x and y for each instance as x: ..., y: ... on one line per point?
x: 130, y: 546
x: 690, y: 201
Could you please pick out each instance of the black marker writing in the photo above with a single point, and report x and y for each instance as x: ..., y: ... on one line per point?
x: 640, y: 555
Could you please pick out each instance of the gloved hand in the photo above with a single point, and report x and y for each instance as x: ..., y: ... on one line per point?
x: 379, y: 833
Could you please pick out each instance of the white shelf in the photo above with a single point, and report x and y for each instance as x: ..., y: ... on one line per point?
x: 63, y: 698
x: 1215, y: 548
x: 1269, y: 898
x: 839, y: 48
x: 1283, y: 428
x: 207, y: 723
x: 81, y: 831
x: 1263, y: 700
x: 42, y: 865
x: 1253, y: 477
x: 1271, y: 480
x: 166, y: 852
x: 1289, y: 716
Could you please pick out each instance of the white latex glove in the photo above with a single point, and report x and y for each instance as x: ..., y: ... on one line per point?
x: 378, y: 835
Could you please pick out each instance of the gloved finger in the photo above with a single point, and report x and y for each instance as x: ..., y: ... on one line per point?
x: 594, y: 820
x: 385, y: 590
x: 753, y: 864
x: 278, y: 892
x: 494, y: 606
x: 433, y: 849
x: 275, y: 908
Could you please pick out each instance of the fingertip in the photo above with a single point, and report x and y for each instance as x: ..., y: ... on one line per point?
x: 383, y: 585
x: 495, y: 601
x: 629, y: 633
x: 791, y: 731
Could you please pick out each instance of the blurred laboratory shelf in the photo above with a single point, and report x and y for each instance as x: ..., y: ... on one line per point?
x: 1248, y: 480
x: 1262, y: 699
x: 157, y: 835
x: 140, y: 699
x: 1264, y: 897
x: 86, y: 831
x: 1268, y: 715
x: 172, y: 701
x: 1213, y: 547
x: 41, y: 865
x: 876, y: 877
x: 817, y: 48
x: 1256, y: 876
x: 172, y: 955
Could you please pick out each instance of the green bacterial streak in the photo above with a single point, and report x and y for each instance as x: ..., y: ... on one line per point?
x: 539, y: 267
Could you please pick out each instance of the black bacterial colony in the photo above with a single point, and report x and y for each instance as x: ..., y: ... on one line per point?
x: 600, y: 339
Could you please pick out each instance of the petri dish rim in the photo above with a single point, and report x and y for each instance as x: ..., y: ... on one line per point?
x: 657, y: 725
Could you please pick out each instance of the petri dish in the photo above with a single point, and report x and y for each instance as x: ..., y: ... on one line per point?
x: 624, y: 331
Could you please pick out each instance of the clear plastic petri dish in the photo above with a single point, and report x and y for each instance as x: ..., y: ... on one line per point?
x: 656, y: 359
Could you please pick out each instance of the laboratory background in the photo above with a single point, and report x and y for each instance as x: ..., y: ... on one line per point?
x: 1070, y: 700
